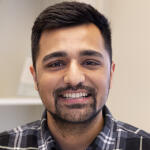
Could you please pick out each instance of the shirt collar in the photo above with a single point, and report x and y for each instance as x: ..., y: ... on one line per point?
x: 47, y: 139
x: 106, y: 137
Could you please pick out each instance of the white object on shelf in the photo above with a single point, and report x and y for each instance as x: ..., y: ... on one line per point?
x: 20, y: 101
x: 26, y: 84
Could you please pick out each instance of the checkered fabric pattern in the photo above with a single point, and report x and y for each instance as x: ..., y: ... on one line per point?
x: 115, y: 135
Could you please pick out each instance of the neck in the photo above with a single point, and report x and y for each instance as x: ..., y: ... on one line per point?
x: 67, y: 134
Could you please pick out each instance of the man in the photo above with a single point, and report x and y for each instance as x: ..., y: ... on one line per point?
x: 72, y: 70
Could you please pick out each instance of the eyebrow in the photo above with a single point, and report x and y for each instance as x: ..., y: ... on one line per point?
x: 54, y: 55
x: 91, y: 53
x: 64, y: 54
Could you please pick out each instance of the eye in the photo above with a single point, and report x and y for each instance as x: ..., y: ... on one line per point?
x: 91, y: 63
x: 59, y: 64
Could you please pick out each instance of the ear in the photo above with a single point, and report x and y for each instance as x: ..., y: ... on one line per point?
x: 112, y: 72
x: 33, y: 72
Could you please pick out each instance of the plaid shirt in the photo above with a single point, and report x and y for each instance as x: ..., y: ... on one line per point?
x: 114, y: 136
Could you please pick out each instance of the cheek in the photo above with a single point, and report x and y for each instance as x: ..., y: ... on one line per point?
x: 101, y: 84
x: 46, y: 86
x: 100, y: 79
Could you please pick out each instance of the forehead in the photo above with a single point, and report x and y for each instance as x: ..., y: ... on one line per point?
x: 71, y: 40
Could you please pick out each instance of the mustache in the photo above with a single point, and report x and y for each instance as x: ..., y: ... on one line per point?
x: 89, y: 90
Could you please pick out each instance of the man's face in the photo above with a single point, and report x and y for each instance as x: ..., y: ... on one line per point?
x: 73, y: 72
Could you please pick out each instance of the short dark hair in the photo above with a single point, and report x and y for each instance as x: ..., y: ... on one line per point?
x: 66, y: 14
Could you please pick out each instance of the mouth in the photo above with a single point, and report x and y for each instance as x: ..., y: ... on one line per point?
x: 78, y: 95
x: 74, y: 97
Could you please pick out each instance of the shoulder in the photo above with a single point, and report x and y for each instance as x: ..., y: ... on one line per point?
x: 130, y: 130
x: 25, y: 135
x: 131, y: 137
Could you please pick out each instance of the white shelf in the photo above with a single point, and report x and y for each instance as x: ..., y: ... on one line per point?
x: 19, y: 101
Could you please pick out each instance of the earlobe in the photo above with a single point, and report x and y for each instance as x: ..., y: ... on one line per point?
x: 113, y: 66
x: 33, y: 72
x: 112, y: 72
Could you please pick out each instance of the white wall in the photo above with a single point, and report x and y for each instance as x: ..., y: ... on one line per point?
x: 130, y: 95
x: 15, y: 28
x: 130, y: 22
x: 16, y: 20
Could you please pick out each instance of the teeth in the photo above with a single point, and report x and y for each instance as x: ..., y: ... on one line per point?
x: 77, y: 94
x: 80, y: 94
x: 74, y: 95
x: 69, y: 95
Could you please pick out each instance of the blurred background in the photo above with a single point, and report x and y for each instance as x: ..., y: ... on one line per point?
x: 129, y: 98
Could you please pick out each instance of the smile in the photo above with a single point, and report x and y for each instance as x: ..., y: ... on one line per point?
x: 75, y: 95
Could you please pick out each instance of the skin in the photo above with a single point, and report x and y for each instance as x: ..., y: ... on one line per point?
x: 75, y: 66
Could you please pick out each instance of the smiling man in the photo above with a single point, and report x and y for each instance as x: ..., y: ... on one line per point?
x: 73, y: 73
x: 72, y: 70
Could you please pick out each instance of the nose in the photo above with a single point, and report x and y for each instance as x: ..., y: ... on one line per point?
x: 74, y: 75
